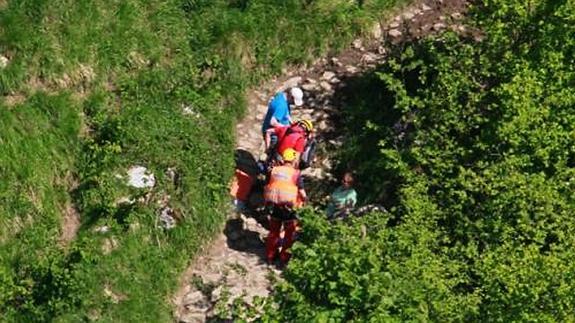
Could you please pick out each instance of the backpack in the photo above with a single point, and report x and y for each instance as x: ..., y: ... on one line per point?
x: 308, y: 154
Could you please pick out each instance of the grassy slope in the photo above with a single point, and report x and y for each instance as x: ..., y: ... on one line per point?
x: 93, y: 87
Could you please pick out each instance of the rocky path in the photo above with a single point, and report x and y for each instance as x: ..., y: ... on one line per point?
x: 233, y: 265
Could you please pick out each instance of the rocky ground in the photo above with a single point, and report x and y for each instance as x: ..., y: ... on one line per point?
x: 233, y: 265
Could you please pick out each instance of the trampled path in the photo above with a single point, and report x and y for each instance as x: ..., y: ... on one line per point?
x: 233, y: 265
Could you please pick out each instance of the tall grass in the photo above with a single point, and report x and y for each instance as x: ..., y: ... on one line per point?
x: 103, y: 86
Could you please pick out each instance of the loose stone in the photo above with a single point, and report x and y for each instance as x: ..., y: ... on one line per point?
x: 394, y: 33
x: 438, y: 26
x: 325, y: 85
x: 327, y: 75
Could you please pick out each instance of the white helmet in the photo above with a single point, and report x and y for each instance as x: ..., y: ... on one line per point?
x: 297, y: 95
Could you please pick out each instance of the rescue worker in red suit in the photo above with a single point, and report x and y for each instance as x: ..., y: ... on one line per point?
x: 294, y: 136
x: 283, y: 193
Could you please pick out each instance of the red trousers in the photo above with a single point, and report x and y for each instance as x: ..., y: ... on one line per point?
x: 274, y: 238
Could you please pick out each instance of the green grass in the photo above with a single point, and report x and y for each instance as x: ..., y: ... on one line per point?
x: 102, y: 85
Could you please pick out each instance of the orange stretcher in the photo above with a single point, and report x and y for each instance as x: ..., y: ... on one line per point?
x: 241, y: 185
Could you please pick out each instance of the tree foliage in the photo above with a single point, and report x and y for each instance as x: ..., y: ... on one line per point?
x: 471, y: 142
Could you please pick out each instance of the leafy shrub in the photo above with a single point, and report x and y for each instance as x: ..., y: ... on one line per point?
x: 469, y: 141
x: 94, y: 87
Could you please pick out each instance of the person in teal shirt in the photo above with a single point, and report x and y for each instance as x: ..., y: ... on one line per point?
x: 343, y: 198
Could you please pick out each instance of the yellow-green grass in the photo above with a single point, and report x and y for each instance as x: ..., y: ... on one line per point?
x: 93, y: 87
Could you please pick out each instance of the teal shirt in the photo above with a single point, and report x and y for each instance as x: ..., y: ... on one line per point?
x: 341, y: 198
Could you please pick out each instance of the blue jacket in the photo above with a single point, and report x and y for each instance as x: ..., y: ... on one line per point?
x: 279, y: 109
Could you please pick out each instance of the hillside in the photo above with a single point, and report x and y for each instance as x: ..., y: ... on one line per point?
x: 468, y: 140
x: 121, y: 122
x: 92, y: 90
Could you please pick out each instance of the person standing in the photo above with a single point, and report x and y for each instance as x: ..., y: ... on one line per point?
x: 343, y: 199
x: 279, y: 112
x: 283, y: 193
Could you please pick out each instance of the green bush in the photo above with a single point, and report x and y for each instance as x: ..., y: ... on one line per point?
x: 469, y: 140
x: 94, y: 87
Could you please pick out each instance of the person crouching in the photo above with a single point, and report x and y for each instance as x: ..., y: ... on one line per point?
x: 283, y: 193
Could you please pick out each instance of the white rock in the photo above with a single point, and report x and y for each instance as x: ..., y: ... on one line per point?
x: 408, y: 15
x: 357, y: 44
x: 325, y: 85
x: 438, y: 26
x: 188, y: 110
x: 425, y: 28
x: 251, y: 224
x: 456, y: 15
x: 376, y: 31
x: 137, y: 177
x: 425, y: 7
x: 381, y: 50
x: 327, y: 75
x: 369, y: 58
x: 319, y: 114
x: 394, y: 25
x: 395, y: 33
x: 124, y: 200
x: 335, y: 61
x: 171, y: 173
x: 334, y: 80
x: 314, y: 172
x: 351, y: 69
x: 4, y: 61
x: 327, y: 164
x: 309, y: 87
x: 167, y: 220
x: 336, y: 142
x: 102, y: 229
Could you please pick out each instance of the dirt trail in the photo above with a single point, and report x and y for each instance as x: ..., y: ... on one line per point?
x: 233, y: 265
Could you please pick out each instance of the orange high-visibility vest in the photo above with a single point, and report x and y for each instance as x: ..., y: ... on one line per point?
x: 282, y: 186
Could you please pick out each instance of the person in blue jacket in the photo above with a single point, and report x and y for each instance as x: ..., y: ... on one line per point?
x: 279, y: 108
